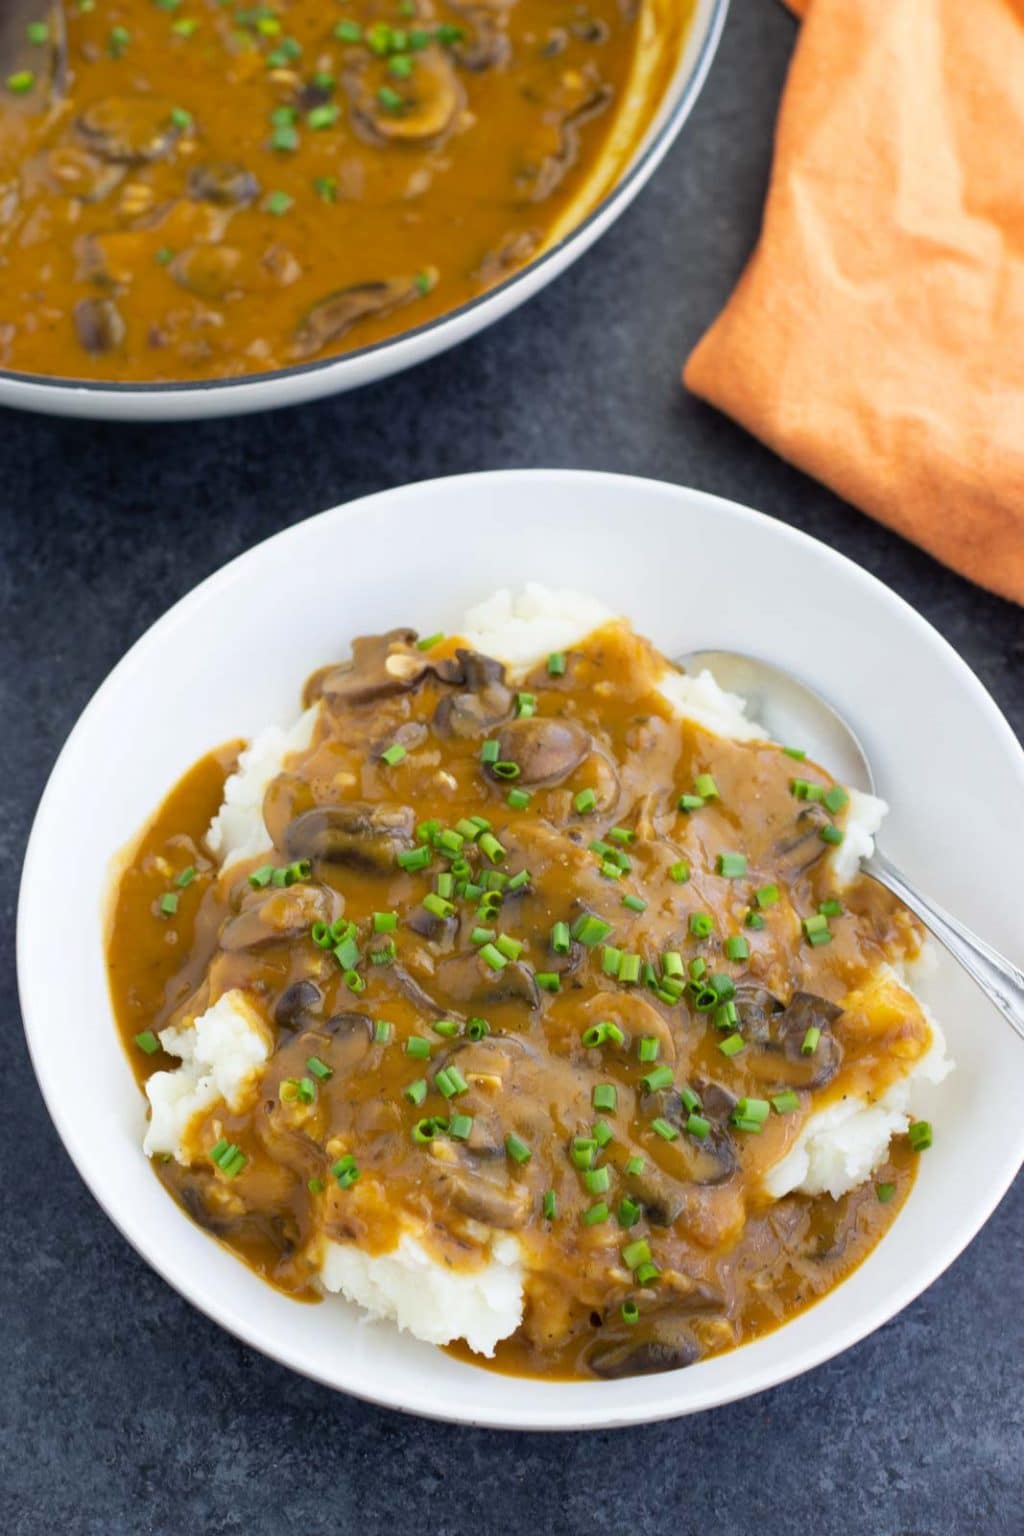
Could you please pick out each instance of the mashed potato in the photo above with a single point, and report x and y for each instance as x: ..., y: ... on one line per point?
x: 223, y: 1053
x: 428, y: 1300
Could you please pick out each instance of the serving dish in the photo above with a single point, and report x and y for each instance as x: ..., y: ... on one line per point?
x: 826, y: 620
x: 311, y: 379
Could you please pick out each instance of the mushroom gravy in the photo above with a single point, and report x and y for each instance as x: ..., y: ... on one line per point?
x: 624, y: 1001
x: 199, y: 189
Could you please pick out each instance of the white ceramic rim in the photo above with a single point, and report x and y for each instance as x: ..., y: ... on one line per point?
x: 242, y: 395
x: 578, y: 1414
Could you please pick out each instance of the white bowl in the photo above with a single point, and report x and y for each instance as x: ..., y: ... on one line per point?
x: 691, y: 570
x: 311, y: 381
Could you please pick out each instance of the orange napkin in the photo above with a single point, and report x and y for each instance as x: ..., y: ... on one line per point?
x: 876, y: 338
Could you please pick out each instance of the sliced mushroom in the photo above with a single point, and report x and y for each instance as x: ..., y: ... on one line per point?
x: 514, y: 250
x: 546, y: 750
x: 223, y: 182
x: 296, y: 1003
x: 74, y: 171
x: 99, y: 325
x: 755, y: 1009
x: 441, y: 931
x: 381, y: 665
x: 542, y: 179
x: 423, y: 107
x: 209, y: 271
x: 671, y: 1347
x: 411, y: 989
x: 779, y: 1060
x: 485, y: 703
x: 799, y: 850
x: 342, y: 1041
x: 482, y: 1192
x: 690, y: 1159
x: 334, y: 316
x: 471, y: 982
x: 280, y: 914
x: 130, y: 130
x: 360, y: 834
x: 488, y: 45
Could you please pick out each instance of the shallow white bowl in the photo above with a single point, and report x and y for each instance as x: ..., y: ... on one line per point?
x: 311, y: 381
x: 692, y: 571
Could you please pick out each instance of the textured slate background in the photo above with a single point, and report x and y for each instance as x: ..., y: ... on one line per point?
x: 121, y: 1410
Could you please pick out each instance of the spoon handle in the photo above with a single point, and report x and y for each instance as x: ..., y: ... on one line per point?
x: 1000, y: 980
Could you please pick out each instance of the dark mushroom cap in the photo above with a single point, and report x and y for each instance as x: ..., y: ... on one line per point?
x: 471, y: 982
x: 358, y: 833
x: 381, y: 665
x: 546, y: 750
x: 296, y: 1003
x: 485, y: 702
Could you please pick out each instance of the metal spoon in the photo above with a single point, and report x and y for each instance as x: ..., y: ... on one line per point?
x: 792, y: 712
x: 39, y: 67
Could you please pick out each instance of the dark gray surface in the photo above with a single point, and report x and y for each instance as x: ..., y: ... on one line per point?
x: 121, y: 1409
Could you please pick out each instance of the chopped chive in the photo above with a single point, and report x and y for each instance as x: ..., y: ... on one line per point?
x: 809, y: 1044
x: 701, y: 924
x: 630, y: 1312
x: 919, y: 1134
x: 610, y: 870
x: 611, y: 959
x: 446, y: 1028
x: 731, y: 865
x: 621, y: 834
x: 831, y: 835
x: 835, y: 799
x: 583, y: 1151
x: 752, y: 1109
x: 490, y: 752
x: 526, y: 705
x: 590, y: 930
x: 731, y: 1045
x: 816, y: 924
x: 517, y: 1149
x: 413, y: 858
x: 382, y: 1032
x: 664, y: 1128
x: 637, y: 1253
x: 518, y: 799
x: 556, y: 664
x: 460, y: 1127
x: 491, y: 847
x: 634, y: 903
x: 550, y: 1205
x: 426, y: 1130
x: 186, y: 877
x: 476, y: 1029
x: 437, y: 906
x: 766, y: 895
x: 795, y: 752
x: 493, y: 957
x: 429, y: 641
x: 605, y: 1096
x: 785, y: 1103
x: 597, y: 1181
x: 647, y: 1048
x: 603, y: 1133
x: 505, y: 770
x: 679, y: 872
x: 169, y: 903
x: 706, y: 787
x: 660, y: 1077
x: 585, y: 801
x: 697, y: 1125
x: 548, y: 981
x: 315, y: 1186
x: 417, y: 1047
x: 690, y: 802
x: 753, y: 920
x: 394, y: 754
x: 885, y: 1193
x: 830, y: 908
x: 561, y: 939
x: 629, y: 969
x: 737, y: 948
x: 595, y: 1214
x: 416, y: 1092
x: 629, y: 1212
x: 148, y: 1042
x: 635, y: 1165
x: 319, y: 1068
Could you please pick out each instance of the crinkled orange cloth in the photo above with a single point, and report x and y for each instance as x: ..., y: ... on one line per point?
x: 876, y: 338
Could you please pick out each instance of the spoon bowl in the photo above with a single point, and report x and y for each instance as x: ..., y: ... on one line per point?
x: 796, y: 715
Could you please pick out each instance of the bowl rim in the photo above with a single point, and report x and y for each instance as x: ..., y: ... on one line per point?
x: 578, y: 1413
x: 542, y: 269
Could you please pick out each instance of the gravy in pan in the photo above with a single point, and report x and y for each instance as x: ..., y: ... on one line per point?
x: 199, y: 188
x: 629, y: 983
